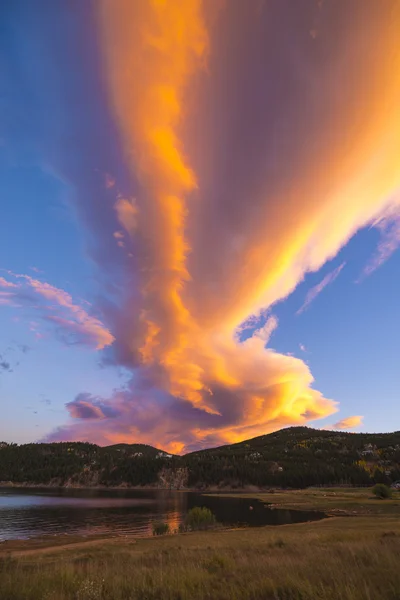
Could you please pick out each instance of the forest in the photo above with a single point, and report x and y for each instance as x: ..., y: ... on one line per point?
x: 295, y: 457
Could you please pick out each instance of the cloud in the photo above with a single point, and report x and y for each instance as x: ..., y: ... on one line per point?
x: 45, y: 401
x: 389, y: 227
x: 24, y: 348
x: 264, y: 333
x: 55, y: 306
x: 248, y: 170
x: 86, y: 406
x: 5, y: 365
x: 349, y: 422
x: 7, y: 284
x: 317, y: 289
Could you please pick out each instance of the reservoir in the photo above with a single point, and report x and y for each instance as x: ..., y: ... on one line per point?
x: 27, y: 513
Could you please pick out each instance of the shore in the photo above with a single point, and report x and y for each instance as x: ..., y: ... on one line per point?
x: 334, y: 502
x: 333, y: 559
x: 212, y: 489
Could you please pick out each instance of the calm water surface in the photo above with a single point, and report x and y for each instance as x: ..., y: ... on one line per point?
x: 26, y: 513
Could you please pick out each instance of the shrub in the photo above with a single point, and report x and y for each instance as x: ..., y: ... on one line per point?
x: 380, y: 490
x: 199, y: 518
x: 160, y: 528
x: 216, y: 563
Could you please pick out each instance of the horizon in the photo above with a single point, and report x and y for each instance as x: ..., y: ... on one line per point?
x: 336, y: 431
x: 201, y: 220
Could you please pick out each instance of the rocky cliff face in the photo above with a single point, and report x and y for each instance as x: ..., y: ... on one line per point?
x: 174, y: 479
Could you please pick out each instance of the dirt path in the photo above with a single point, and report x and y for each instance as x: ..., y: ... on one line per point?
x: 17, y: 551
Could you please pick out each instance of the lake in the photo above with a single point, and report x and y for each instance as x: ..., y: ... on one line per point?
x: 26, y: 513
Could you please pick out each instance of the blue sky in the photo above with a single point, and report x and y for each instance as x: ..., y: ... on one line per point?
x: 96, y: 298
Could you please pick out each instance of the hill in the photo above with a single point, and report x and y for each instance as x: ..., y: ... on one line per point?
x: 81, y: 464
x: 300, y: 457
x: 293, y: 457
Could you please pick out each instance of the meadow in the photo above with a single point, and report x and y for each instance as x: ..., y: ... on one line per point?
x: 355, y: 556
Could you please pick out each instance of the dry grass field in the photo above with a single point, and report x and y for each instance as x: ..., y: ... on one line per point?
x: 340, y: 558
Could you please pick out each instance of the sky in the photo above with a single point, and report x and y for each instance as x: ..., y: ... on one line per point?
x: 200, y: 218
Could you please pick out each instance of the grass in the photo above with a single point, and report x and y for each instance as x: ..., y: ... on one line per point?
x: 338, y: 558
x: 333, y: 501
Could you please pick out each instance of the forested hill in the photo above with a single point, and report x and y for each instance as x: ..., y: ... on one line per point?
x: 292, y: 457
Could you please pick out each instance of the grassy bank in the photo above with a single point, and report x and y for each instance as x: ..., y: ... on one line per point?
x: 333, y: 501
x: 338, y: 558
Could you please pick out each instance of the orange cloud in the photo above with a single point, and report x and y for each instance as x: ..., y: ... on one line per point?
x: 151, y: 49
x: 349, y: 422
x: 239, y: 236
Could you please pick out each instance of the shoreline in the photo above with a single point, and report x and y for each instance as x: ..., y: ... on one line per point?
x: 335, y: 504
x: 122, y: 487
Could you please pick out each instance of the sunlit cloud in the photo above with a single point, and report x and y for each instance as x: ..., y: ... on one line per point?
x: 55, y: 306
x: 86, y: 406
x: 349, y: 422
x: 389, y: 227
x: 248, y: 163
x: 7, y: 284
x: 317, y: 289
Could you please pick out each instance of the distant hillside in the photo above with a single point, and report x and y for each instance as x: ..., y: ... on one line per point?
x: 293, y: 457
x: 300, y: 457
x: 82, y: 464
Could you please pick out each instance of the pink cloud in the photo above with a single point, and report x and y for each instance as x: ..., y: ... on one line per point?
x: 389, y: 227
x: 56, y: 306
x: 109, y: 181
x: 6, y: 284
x: 6, y: 299
x: 317, y: 289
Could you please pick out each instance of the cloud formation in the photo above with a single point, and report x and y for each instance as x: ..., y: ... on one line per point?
x: 317, y: 289
x: 244, y: 154
x: 389, y: 227
x: 349, y: 422
x: 55, y: 306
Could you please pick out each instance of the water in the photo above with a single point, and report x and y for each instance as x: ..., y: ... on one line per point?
x: 26, y: 513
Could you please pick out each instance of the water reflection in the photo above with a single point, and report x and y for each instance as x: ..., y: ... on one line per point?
x: 27, y: 513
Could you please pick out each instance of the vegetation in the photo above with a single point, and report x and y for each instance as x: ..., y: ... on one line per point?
x: 333, y: 501
x: 160, y: 528
x: 77, y: 463
x: 199, y: 519
x: 380, y: 490
x: 297, y: 457
x: 343, y: 558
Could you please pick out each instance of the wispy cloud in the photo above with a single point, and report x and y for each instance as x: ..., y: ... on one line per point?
x: 389, y: 228
x: 317, y: 289
x: 7, y: 284
x: 348, y: 423
x: 5, y: 365
x: 264, y: 333
x: 56, y: 306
